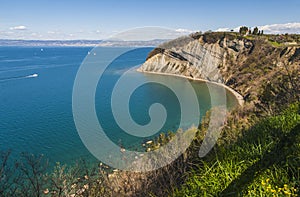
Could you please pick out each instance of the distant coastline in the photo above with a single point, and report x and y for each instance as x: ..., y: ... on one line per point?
x: 79, y: 43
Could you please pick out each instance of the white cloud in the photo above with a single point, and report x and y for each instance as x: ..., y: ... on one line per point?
x: 281, y: 28
x: 148, y: 33
x: 272, y: 29
x: 223, y: 29
x: 21, y: 27
x: 227, y: 29
x: 184, y: 31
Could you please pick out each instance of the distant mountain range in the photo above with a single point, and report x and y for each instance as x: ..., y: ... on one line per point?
x: 83, y: 43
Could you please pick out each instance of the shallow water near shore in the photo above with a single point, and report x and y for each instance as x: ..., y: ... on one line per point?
x: 36, y: 101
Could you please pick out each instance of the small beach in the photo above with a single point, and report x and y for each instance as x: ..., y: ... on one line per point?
x: 238, y: 96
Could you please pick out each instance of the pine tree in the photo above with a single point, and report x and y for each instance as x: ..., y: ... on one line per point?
x: 255, y: 31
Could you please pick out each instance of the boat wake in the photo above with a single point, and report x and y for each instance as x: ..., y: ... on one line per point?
x: 32, y: 76
x: 19, y: 77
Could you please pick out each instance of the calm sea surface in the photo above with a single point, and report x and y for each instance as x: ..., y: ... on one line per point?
x: 36, y: 110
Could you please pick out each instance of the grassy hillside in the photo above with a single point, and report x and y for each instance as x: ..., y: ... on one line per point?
x: 263, y: 161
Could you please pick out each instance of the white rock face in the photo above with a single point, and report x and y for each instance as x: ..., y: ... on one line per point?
x: 194, y: 58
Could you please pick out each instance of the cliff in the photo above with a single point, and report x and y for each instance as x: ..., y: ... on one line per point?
x: 250, y: 65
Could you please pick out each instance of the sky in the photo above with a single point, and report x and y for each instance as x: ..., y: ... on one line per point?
x: 98, y: 19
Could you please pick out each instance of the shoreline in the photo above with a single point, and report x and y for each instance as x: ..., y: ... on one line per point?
x: 239, y: 97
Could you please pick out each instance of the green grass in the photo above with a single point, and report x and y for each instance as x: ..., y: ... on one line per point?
x: 275, y: 44
x: 250, y: 37
x: 265, y: 161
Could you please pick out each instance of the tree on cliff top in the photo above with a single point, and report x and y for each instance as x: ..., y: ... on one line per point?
x: 243, y: 30
x: 255, y: 31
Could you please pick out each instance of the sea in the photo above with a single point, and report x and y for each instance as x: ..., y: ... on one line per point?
x: 36, y: 88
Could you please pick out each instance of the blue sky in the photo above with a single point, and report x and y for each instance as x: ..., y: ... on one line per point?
x: 96, y: 19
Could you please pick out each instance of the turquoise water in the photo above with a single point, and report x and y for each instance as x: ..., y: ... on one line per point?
x: 36, y: 112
